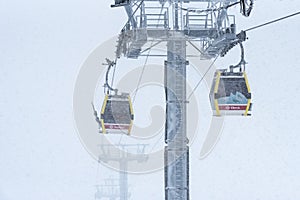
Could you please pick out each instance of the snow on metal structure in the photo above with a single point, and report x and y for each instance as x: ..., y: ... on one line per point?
x: 110, y: 189
x: 206, y: 22
x: 176, y: 22
x: 112, y: 153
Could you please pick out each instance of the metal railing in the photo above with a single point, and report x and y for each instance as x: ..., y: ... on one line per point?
x: 154, y: 18
x: 198, y: 21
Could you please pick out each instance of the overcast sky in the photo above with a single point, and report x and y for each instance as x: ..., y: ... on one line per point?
x: 44, y: 43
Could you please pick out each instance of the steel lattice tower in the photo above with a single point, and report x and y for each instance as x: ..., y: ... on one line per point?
x: 119, y: 153
x: 174, y: 22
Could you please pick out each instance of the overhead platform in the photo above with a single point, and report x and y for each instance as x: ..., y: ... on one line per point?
x: 154, y: 24
x: 131, y: 42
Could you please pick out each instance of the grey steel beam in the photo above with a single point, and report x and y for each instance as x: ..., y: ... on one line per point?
x: 176, y: 150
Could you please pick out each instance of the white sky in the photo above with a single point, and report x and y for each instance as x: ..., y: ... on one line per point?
x: 43, y: 44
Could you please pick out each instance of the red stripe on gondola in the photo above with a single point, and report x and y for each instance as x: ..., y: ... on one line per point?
x: 116, y: 126
x: 232, y: 107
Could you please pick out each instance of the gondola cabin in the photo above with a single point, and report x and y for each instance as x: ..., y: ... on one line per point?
x: 117, y: 114
x: 230, y: 94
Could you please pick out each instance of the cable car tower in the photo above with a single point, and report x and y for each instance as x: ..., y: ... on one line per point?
x: 206, y: 25
x: 111, y: 153
x: 110, y: 189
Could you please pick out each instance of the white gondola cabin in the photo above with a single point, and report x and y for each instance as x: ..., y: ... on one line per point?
x: 117, y: 114
x: 230, y: 94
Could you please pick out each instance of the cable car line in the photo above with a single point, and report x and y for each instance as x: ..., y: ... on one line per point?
x: 271, y: 22
x: 141, y: 76
x: 190, y: 95
x: 191, y: 43
x: 147, y: 49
